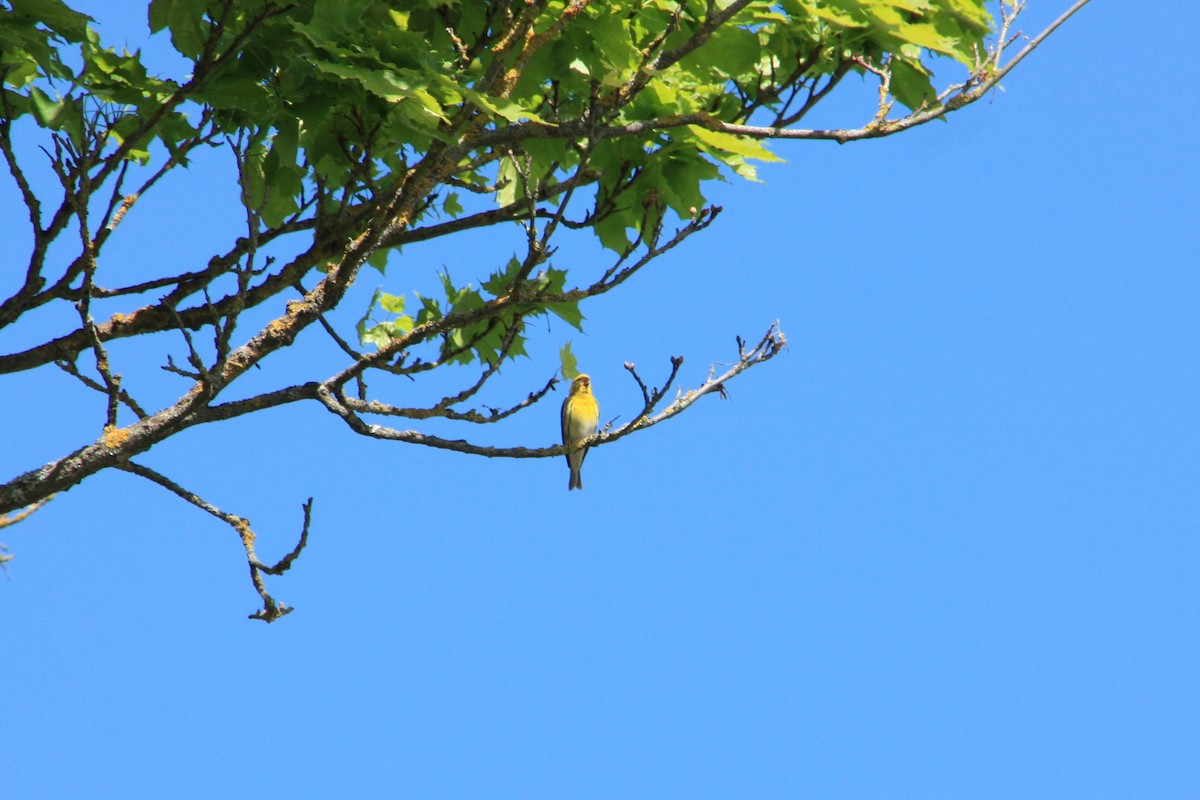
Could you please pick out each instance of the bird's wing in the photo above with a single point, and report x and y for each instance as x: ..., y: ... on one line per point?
x: 563, y: 421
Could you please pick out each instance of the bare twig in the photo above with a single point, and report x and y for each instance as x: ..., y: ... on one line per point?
x: 651, y: 399
x: 14, y: 518
x: 272, y: 609
x: 72, y: 370
x: 493, y: 415
x: 770, y: 345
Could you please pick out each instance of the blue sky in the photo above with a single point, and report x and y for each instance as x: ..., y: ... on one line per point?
x: 945, y: 546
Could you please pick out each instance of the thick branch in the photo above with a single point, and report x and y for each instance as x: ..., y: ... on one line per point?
x: 162, y: 316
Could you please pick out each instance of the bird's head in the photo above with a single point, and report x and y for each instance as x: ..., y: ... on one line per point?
x: 582, y: 383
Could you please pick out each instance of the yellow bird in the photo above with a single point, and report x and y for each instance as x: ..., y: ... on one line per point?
x: 580, y: 416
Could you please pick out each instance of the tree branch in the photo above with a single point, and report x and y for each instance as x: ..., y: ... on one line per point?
x: 25, y: 513
x: 771, y: 344
x: 272, y: 609
x: 576, y: 129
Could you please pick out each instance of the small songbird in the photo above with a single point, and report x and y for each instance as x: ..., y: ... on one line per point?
x: 580, y: 416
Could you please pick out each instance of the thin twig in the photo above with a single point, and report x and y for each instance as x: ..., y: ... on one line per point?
x: 272, y: 609
x: 124, y: 396
x: 14, y: 518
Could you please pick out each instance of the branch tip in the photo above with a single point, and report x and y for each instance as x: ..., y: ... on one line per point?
x: 25, y: 513
x: 272, y: 609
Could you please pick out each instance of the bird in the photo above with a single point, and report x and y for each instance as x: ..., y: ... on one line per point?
x: 580, y: 416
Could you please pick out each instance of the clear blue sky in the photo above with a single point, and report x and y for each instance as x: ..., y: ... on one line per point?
x: 945, y: 547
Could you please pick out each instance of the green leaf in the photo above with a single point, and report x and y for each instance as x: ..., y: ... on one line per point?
x: 381, y: 334
x: 497, y: 107
x: 254, y: 182
x: 281, y: 199
x: 970, y: 14
x: 56, y: 15
x: 282, y: 177
x: 45, y: 110
x: 391, y: 85
x: 120, y: 131
x: 402, y: 325
x: 391, y: 302
x: 500, y: 281
x: 681, y: 180
x: 929, y: 37
x: 430, y: 310
x: 567, y: 362
x: 17, y: 104
x: 552, y: 280
x: 613, y: 44
x: 910, y: 84
x: 730, y: 143
x: 331, y: 18
x: 508, y: 182
x: 731, y: 52
x: 285, y: 142
x: 517, y: 347
x: 568, y: 311
x: 611, y: 231
x: 185, y: 19
x: 378, y: 335
x: 378, y: 260
x: 363, y: 324
x: 176, y: 128
x: 839, y: 18
x: 244, y: 91
x: 24, y: 72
